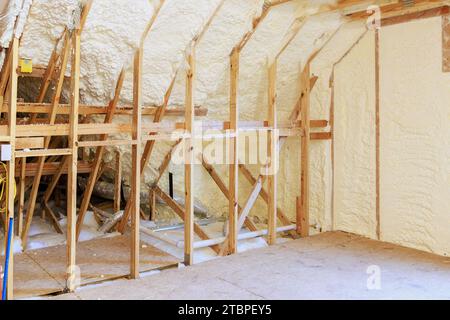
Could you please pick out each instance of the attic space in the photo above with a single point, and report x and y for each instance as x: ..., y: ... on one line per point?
x: 161, y: 140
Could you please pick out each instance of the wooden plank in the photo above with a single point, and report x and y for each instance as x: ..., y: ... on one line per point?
x: 86, y: 110
x: 22, y: 181
x: 100, y: 260
x: 30, y: 143
x: 118, y: 182
x: 377, y: 132
x: 4, y: 80
x: 303, y: 211
x: 43, y: 153
x: 98, y: 156
x: 189, y: 161
x: 272, y: 170
x: 233, y: 184
x: 10, y: 195
x: 72, y: 164
x: 50, y: 168
x: 446, y: 43
x: 136, y: 165
x: 320, y: 135
x: 414, y: 13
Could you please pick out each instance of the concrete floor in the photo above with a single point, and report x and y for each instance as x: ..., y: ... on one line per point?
x: 332, y: 265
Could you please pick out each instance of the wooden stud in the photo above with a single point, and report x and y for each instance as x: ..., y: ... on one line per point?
x: 303, y: 211
x: 233, y: 184
x: 118, y: 182
x: 72, y: 164
x: 22, y: 181
x: 377, y: 129
x: 272, y: 155
x: 189, y: 160
x: 136, y: 164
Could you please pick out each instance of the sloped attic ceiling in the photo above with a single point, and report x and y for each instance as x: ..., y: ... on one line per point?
x: 112, y: 32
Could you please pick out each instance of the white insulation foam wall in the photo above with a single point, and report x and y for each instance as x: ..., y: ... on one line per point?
x: 414, y: 145
x: 415, y: 137
x: 354, y: 184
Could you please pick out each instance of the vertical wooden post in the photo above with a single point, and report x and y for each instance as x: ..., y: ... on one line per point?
x: 303, y: 211
x: 118, y: 182
x: 72, y: 163
x: 377, y: 126
x: 233, y: 212
x: 272, y: 154
x: 136, y: 163
x: 11, y: 164
x: 189, y: 159
x: 23, y: 165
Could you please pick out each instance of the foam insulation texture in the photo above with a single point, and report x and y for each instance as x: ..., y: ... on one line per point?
x: 414, y: 144
x: 110, y: 37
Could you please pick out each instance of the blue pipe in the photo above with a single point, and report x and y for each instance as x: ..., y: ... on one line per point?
x: 8, y: 249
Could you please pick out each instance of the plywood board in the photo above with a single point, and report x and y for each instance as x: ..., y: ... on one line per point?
x: 102, y: 259
x: 30, y: 279
x: 43, y: 271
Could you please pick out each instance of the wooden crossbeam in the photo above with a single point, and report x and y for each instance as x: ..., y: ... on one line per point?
x: 86, y: 110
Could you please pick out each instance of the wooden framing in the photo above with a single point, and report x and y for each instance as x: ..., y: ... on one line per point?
x: 303, y: 211
x: 233, y: 183
x: 189, y: 160
x: 72, y: 162
x: 272, y: 148
x: 38, y: 133
x: 446, y: 42
x: 41, y: 161
x: 377, y: 132
x: 135, y: 195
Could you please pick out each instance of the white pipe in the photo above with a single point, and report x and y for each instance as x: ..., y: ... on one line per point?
x: 216, y: 241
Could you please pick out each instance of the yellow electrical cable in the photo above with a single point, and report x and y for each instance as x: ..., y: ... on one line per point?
x: 3, y: 186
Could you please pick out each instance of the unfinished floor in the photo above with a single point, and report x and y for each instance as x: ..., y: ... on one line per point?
x: 332, y: 265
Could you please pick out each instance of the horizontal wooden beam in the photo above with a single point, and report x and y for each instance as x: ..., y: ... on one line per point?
x: 62, y: 129
x: 50, y: 168
x: 64, y: 109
